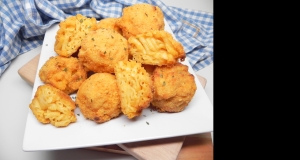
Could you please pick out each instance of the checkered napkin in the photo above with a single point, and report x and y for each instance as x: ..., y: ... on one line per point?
x: 23, y: 24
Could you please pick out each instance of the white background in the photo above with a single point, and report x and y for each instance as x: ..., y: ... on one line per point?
x: 15, y: 95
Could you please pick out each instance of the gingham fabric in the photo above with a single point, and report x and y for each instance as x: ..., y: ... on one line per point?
x: 23, y: 24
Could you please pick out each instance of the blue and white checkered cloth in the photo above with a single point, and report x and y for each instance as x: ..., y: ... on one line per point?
x: 24, y: 23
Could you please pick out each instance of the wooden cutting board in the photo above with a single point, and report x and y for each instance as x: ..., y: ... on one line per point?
x: 186, y: 147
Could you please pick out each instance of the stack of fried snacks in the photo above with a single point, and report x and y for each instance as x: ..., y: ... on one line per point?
x: 115, y: 66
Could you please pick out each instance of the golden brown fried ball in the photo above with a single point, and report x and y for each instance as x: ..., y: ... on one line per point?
x: 174, y: 88
x: 102, y: 49
x: 109, y: 23
x: 140, y: 18
x: 135, y: 86
x: 51, y: 105
x: 71, y: 32
x: 156, y: 48
x: 66, y: 74
x: 98, y: 98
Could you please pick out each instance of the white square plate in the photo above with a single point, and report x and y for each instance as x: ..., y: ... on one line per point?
x: 196, y: 118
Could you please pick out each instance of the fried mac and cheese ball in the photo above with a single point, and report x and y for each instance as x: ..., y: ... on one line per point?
x: 51, y: 105
x: 109, y: 23
x: 135, y: 86
x: 102, y: 49
x: 156, y: 48
x: 98, y: 98
x: 174, y: 88
x: 140, y: 18
x: 71, y: 32
x: 66, y: 74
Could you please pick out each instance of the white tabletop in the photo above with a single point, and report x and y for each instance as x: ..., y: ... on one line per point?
x: 15, y: 95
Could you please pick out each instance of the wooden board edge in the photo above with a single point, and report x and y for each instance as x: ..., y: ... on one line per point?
x: 28, y: 71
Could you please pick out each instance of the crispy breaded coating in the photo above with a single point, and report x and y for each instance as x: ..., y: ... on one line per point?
x: 140, y: 18
x: 156, y: 48
x: 109, y: 23
x: 71, y: 32
x: 174, y: 88
x: 102, y: 49
x: 135, y: 86
x: 98, y: 98
x: 51, y: 105
x: 66, y: 74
